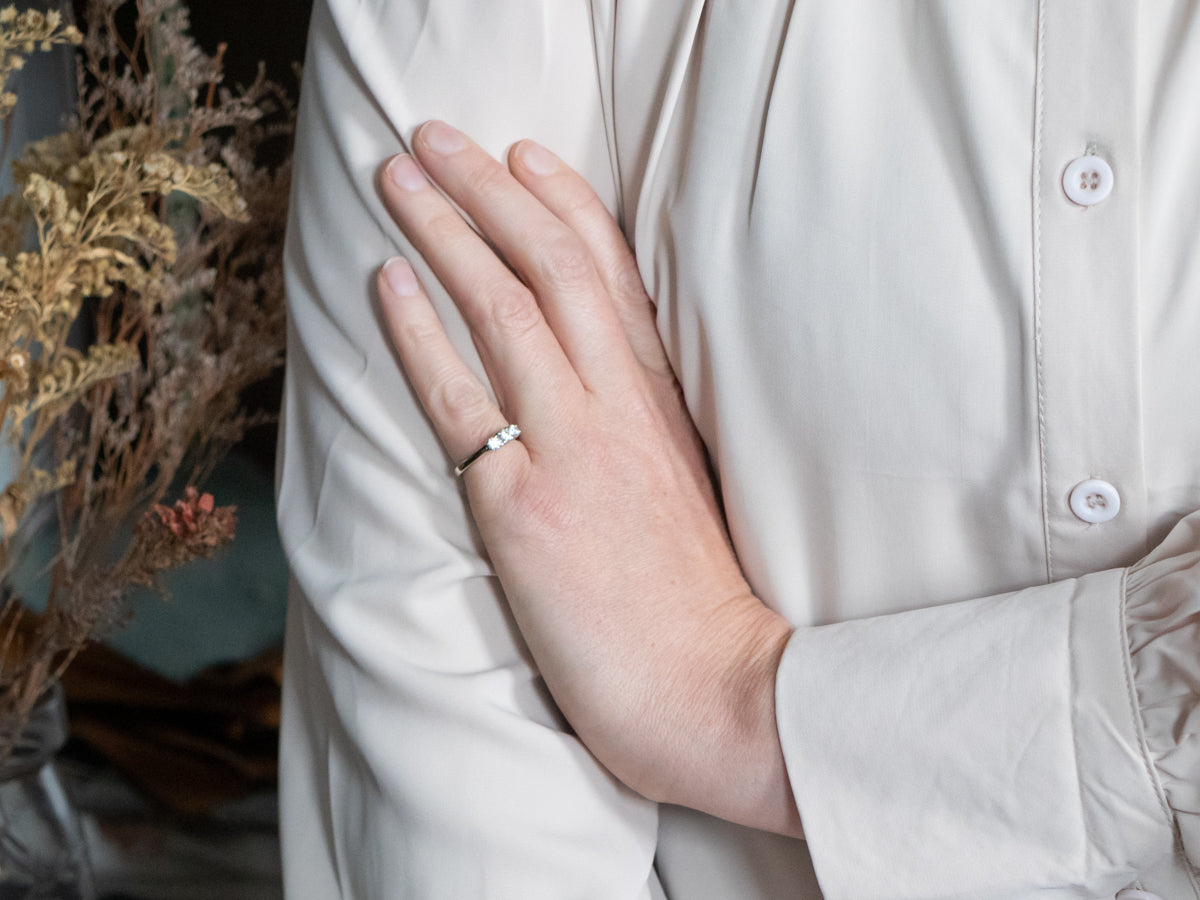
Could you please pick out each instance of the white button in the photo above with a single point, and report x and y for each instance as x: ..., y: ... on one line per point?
x: 1131, y: 894
x: 1095, y: 501
x: 1088, y: 180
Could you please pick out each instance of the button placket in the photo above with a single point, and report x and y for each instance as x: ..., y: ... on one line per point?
x: 1086, y: 318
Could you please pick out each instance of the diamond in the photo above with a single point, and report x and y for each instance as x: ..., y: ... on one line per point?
x: 503, y: 436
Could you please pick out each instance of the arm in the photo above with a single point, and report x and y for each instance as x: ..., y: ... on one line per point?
x: 620, y: 446
x: 1006, y: 746
x: 422, y: 755
x: 985, y: 707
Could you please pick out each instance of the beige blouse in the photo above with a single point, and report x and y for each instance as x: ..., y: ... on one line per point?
x: 929, y: 273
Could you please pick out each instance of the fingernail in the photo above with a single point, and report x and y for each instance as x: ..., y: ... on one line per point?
x: 537, y: 159
x: 400, y: 277
x: 405, y: 174
x: 441, y: 138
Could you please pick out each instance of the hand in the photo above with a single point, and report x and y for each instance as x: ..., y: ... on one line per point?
x: 601, y: 521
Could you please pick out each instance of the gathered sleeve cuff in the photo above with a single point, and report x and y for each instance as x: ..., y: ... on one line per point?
x: 1163, y: 621
x: 999, y: 747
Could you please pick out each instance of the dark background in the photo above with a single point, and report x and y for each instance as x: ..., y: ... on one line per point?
x: 273, y: 31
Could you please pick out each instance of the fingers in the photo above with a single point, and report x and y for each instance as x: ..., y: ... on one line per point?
x: 547, y: 255
x: 566, y: 194
x: 457, y: 404
x: 522, y: 356
x: 576, y: 318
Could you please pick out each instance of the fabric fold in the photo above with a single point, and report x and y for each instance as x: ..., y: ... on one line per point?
x: 1163, y: 623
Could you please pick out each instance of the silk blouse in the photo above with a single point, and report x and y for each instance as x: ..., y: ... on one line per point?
x: 929, y: 274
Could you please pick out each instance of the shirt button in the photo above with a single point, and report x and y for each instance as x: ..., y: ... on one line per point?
x: 1131, y: 894
x: 1088, y: 180
x: 1095, y: 501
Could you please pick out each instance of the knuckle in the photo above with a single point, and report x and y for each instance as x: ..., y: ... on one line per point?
x: 581, y: 203
x: 485, y: 178
x: 514, y: 310
x: 416, y: 332
x: 627, y: 283
x: 566, y: 262
x: 442, y: 228
x: 458, y: 397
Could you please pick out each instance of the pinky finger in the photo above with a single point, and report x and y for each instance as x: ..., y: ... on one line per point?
x: 462, y: 413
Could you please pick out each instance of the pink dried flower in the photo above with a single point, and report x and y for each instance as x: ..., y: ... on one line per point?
x: 169, y: 536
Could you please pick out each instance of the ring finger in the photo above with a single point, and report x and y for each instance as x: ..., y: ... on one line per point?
x: 455, y: 401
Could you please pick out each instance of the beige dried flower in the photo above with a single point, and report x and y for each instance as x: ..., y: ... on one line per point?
x: 22, y: 34
x: 28, y: 487
x: 156, y: 225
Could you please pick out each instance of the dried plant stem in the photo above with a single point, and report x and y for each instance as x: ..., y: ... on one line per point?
x: 159, y: 230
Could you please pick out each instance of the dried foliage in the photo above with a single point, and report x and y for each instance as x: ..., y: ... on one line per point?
x: 21, y: 33
x: 157, y: 232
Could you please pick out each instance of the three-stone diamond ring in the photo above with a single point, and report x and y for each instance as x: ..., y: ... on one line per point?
x: 495, y: 442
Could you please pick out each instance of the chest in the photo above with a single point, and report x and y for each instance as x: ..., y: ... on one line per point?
x: 870, y: 272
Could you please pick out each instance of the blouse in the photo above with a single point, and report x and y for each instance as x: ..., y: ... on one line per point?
x: 929, y: 275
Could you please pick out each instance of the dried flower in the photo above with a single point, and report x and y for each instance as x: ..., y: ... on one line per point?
x: 169, y: 536
x: 157, y: 226
x: 22, y: 34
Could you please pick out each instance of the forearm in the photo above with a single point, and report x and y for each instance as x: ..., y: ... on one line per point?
x: 993, y: 747
x: 422, y: 754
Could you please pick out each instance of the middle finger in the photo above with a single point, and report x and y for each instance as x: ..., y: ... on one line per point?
x: 547, y: 254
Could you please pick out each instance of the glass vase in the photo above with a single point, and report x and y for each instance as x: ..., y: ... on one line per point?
x: 42, y: 852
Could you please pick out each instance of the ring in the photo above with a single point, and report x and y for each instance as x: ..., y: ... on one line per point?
x: 495, y: 442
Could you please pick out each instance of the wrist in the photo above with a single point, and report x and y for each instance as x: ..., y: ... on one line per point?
x: 728, y: 761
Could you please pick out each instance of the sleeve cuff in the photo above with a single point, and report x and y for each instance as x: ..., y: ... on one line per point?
x: 1163, y: 621
x: 989, y: 748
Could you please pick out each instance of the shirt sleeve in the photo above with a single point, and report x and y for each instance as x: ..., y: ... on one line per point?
x: 1163, y: 621
x: 1037, y: 743
x: 422, y: 756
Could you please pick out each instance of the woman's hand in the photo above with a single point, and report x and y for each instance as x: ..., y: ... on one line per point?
x: 601, y: 520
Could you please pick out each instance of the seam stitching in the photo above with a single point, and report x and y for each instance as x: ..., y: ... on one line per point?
x: 1039, y: 364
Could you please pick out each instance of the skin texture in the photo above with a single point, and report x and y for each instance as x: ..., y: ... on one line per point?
x: 601, y: 522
